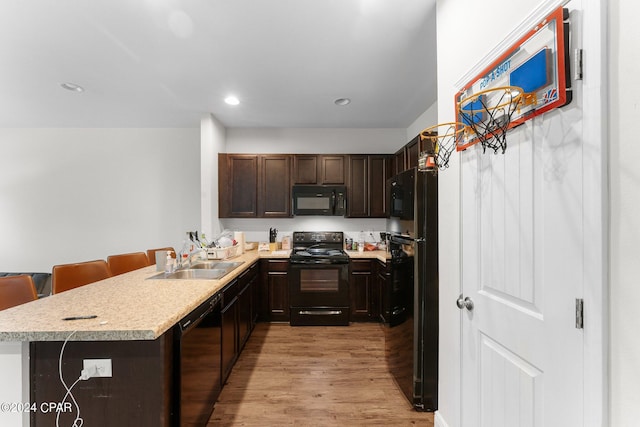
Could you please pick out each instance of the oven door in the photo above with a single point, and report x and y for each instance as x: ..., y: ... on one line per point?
x: 319, y: 294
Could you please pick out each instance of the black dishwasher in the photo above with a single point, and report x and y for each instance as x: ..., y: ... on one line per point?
x: 197, y: 354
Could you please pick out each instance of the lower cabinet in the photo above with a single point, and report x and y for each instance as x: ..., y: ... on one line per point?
x: 364, y: 295
x: 274, y: 295
x: 237, y: 317
x: 229, y: 335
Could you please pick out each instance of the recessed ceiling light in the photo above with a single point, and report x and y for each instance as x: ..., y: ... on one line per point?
x: 342, y: 101
x: 232, y: 100
x: 72, y: 87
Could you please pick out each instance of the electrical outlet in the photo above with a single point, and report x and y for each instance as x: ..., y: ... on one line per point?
x: 97, y: 367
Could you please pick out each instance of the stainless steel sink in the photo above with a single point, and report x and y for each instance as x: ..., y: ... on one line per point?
x: 208, y: 270
x: 224, y: 265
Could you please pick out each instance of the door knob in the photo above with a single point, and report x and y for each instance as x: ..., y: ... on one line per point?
x: 464, y: 303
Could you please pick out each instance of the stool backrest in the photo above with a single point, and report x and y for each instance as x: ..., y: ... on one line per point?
x: 123, y: 263
x: 16, y: 290
x: 70, y: 276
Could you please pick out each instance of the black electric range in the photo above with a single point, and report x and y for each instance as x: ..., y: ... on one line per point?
x: 319, y: 279
x: 313, y: 247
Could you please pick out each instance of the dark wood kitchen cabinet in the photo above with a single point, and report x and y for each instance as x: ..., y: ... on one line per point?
x: 254, y: 185
x: 364, y: 295
x: 237, y: 317
x: 229, y: 338
x: 407, y: 157
x: 238, y: 185
x: 274, y: 295
x: 413, y: 150
x: 399, y: 161
x: 247, y: 303
x: 367, y: 188
x: 319, y: 169
x: 332, y: 169
x: 274, y: 193
x: 305, y: 169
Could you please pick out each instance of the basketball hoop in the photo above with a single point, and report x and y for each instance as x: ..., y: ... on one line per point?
x: 441, y: 140
x: 486, y: 115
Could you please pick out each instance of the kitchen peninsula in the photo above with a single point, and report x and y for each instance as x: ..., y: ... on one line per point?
x: 134, y: 327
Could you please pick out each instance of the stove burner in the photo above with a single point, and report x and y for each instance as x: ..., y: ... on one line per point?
x: 311, y: 249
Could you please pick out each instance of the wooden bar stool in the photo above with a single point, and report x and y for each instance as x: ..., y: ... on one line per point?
x: 16, y: 290
x: 70, y: 276
x: 123, y: 263
x: 151, y: 254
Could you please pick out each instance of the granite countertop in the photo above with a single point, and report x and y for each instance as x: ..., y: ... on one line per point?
x: 379, y: 255
x: 128, y: 306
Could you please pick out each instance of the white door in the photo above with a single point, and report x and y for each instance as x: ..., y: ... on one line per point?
x: 523, y: 240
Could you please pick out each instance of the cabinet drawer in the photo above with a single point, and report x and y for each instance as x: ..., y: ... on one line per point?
x: 360, y: 265
x: 277, y: 265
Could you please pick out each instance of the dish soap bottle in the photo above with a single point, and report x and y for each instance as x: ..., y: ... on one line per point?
x: 169, y: 264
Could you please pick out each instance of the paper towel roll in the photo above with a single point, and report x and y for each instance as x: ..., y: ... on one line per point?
x: 238, y: 236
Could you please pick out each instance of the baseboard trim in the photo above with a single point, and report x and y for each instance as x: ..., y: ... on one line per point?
x: 438, y: 421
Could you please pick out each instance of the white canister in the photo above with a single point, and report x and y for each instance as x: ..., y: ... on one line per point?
x: 238, y: 236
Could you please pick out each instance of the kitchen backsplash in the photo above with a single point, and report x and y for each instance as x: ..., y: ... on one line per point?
x: 257, y: 230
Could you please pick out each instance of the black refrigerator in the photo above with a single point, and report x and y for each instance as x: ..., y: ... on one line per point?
x: 411, y: 324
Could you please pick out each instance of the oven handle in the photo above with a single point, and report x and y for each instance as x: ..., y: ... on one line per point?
x: 320, y: 312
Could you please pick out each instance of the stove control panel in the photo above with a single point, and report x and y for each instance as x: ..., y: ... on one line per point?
x: 318, y: 236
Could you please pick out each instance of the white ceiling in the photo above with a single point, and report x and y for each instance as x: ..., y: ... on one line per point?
x: 164, y: 63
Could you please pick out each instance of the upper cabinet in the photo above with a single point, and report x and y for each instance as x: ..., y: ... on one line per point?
x: 366, y: 190
x: 305, y: 169
x: 332, y: 169
x: 238, y: 185
x: 274, y: 194
x: 407, y: 157
x: 320, y: 169
x: 254, y: 185
x: 413, y: 150
x: 259, y: 185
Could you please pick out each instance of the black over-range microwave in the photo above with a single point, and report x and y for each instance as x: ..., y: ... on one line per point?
x: 319, y: 200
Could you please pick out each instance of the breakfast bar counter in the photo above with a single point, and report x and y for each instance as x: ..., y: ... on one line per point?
x: 128, y: 307
x: 138, y: 329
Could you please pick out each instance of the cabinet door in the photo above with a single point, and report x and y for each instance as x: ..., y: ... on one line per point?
x: 275, y: 186
x: 275, y: 290
x: 399, y: 162
x: 358, y: 191
x: 238, y: 185
x: 244, y: 315
x: 305, y: 169
x: 360, y: 288
x: 379, y: 172
x: 229, y: 337
x: 412, y: 149
x: 332, y: 170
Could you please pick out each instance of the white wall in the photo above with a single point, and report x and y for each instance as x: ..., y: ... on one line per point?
x: 425, y: 120
x: 70, y: 195
x: 625, y: 223
x: 213, y: 141
x: 463, y: 40
x: 303, y: 141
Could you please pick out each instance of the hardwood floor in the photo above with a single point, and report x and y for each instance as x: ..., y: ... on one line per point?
x: 314, y: 376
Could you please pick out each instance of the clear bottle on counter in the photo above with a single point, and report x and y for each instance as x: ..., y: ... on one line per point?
x: 169, y: 266
x: 184, y: 253
x: 361, y: 242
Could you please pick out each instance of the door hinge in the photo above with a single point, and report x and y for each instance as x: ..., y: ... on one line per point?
x: 577, y: 64
x: 579, y: 313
